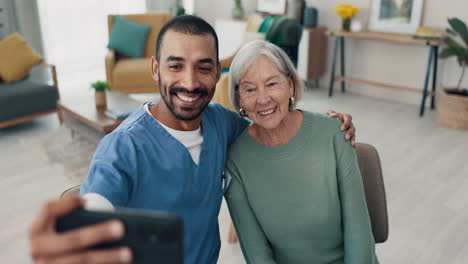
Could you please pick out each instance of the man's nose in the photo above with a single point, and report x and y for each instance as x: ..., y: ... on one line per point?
x: 190, y: 79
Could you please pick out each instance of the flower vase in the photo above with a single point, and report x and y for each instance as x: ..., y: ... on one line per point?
x: 100, y: 98
x: 346, y: 24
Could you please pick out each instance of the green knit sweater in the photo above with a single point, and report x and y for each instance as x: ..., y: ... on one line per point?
x: 301, y: 202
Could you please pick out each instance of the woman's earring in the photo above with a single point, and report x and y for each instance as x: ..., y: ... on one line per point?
x: 242, y: 112
x: 291, y: 102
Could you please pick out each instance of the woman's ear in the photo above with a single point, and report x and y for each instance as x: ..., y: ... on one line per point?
x: 291, y: 87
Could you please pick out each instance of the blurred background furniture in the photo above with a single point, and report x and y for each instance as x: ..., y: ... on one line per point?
x: 312, y: 54
x: 133, y: 75
x: 374, y: 189
x: 221, y: 95
x: 230, y: 41
x: 433, y: 45
x: 27, y: 99
x: 79, y: 112
x: 233, y: 34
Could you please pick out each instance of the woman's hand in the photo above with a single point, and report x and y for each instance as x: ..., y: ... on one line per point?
x: 48, y: 246
x: 347, y: 125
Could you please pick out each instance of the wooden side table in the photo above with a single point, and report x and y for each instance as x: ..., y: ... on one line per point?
x: 396, y: 38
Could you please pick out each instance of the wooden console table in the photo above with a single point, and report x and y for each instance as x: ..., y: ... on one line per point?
x: 398, y: 38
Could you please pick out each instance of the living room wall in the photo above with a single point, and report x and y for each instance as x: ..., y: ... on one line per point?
x: 399, y: 64
x: 379, y: 61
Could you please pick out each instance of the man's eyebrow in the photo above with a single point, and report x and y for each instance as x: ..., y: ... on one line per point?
x: 174, y: 58
x: 206, y: 60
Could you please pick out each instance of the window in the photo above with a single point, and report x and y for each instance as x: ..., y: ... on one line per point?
x: 75, y: 36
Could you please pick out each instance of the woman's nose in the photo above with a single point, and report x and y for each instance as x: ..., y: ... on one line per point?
x: 263, y: 97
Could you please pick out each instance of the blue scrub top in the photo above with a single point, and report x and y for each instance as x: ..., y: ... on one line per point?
x: 141, y: 166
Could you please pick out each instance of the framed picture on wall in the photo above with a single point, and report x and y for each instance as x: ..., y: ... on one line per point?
x: 276, y: 7
x: 396, y: 16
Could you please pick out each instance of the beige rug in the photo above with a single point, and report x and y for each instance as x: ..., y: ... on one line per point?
x: 68, y: 152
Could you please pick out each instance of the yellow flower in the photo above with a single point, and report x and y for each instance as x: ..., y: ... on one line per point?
x: 345, y: 11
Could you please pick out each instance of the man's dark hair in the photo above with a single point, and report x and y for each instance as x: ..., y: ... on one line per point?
x: 187, y: 24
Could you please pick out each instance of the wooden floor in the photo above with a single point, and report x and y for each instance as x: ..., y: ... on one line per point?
x: 425, y: 170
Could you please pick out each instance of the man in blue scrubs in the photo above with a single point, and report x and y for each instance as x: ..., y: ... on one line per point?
x: 167, y: 157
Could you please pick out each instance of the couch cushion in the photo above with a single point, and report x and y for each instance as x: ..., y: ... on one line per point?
x: 17, y: 58
x: 25, y: 98
x: 128, y: 38
x: 133, y: 73
x: 155, y: 20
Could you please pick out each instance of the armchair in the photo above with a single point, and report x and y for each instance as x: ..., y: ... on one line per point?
x: 28, y: 99
x: 133, y: 75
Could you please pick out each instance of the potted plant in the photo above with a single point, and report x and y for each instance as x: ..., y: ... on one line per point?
x: 453, y: 106
x: 237, y: 11
x: 100, y: 88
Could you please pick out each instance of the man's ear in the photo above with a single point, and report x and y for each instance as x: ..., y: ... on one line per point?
x: 218, y: 74
x: 154, y: 68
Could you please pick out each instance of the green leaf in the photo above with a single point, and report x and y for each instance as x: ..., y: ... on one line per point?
x: 447, y: 52
x: 452, y: 43
x: 100, y: 85
x: 451, y: 32
x: 459, y: 27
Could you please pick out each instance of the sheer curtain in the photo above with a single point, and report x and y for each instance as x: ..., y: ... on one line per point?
x: 75, y: 36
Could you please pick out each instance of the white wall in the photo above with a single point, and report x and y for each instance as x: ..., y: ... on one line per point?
x: 212, y: 9
x: 378, y: 61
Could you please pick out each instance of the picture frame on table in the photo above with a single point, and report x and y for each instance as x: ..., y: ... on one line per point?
x: 274, y: 7
x: 396, y: 16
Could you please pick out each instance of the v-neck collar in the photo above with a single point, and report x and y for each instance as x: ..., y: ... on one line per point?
x: 205, y: 128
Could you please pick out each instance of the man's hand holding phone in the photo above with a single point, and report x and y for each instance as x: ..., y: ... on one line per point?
x: 49, y: 246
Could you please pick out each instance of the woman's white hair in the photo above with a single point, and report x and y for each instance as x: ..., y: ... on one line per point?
x: 252, y: 51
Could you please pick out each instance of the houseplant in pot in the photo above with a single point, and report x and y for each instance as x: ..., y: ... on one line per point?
x: 346, y: 12
x: 100, y: 88
x: 453, y: 106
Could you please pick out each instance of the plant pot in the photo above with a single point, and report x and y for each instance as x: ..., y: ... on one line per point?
x: 237, y: 12
x: 346, y: 24
x: 100, y: 98
x: 452, y: 110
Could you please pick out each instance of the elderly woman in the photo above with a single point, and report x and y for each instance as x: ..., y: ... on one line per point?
x: 296, y: 193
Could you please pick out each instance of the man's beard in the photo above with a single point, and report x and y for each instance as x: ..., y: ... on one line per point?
x: 173, y: 91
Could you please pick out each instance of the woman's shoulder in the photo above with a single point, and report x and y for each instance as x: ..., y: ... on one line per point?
x: 321, y: 122
x: 241, y: 142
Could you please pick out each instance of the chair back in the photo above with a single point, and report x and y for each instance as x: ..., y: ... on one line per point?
x: 371, y: 172
x: 155, y: 20
x: 75, y: 190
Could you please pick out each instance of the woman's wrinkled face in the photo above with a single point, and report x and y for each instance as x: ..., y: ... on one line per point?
x: 264, y: 93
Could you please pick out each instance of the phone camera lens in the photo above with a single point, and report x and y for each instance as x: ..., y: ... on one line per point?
x: 154, y: 238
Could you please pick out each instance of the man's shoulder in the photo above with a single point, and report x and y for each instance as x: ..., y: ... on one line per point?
x: 214, y: 108
x: 132, y: 128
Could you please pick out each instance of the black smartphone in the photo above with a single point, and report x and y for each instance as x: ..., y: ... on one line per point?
x: 152, y: 237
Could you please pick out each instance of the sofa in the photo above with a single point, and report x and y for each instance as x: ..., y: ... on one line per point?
x: 133, y: 75
x: 27, y: 99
